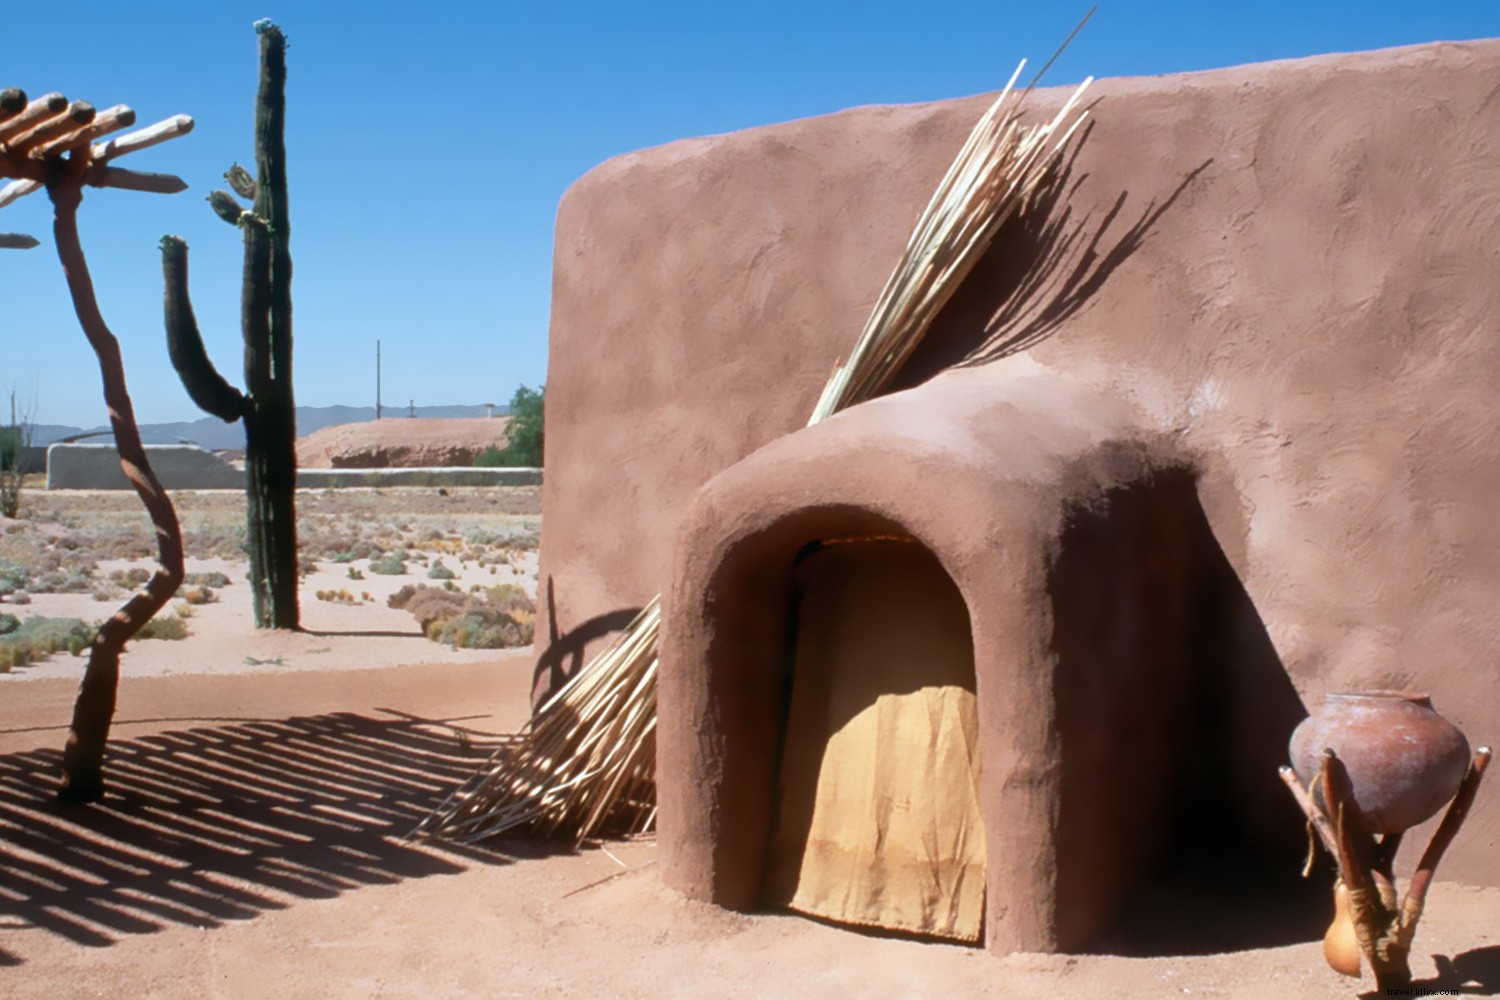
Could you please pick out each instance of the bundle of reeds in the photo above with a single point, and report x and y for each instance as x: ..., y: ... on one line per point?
x: 586, y: 763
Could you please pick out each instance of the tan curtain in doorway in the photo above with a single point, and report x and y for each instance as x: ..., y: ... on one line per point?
x: 878, y: 813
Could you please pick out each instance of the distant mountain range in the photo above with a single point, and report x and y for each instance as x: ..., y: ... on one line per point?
x: 216, y: 435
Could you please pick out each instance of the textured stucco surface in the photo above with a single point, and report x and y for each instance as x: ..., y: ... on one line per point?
x: 1280, y: 280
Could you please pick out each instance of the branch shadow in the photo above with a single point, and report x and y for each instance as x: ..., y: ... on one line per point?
x: 1043, y: 268
x: 1472, y: 973
x: 563, y: 657
x: 208, y: 825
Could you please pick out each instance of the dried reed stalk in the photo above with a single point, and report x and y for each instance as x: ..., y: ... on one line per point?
x: 586, y: 762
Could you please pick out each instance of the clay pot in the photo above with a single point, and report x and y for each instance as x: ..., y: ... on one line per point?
x: 1404, y: 759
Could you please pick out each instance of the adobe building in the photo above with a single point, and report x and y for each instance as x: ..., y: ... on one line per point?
x: 1226, y: 441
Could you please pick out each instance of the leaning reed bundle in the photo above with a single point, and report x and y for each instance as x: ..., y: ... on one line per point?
x: 586, y: 763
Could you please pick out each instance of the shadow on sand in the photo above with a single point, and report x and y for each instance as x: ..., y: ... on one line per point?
x: 214, y: 824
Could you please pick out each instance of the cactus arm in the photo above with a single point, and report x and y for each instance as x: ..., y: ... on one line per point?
x: 244, y: 185
x: 225, y: 207
x: 199, y: 377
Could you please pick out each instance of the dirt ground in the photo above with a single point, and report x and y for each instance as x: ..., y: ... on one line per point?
x: 253, y: 845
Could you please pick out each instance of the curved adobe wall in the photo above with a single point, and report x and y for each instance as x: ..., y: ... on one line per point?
x: 1292, y: 279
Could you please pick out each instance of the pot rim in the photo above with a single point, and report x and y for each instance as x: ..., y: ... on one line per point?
x: 1382, y: 694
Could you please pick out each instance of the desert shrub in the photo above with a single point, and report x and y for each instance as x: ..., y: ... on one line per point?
x: 477, y: 630
x: 135, y: 576
x: 339, y: 596
x: 12, y: 578
x: 389, y: 565
x: 222, y: 540
x: 37, y: 638
x: 20, y: 597
x: 166, y: 627
x: 441, y: 572
x: 198, y: 595
x: 355, y: 574
x: 426, y: 603
x: 72, y: 580
x: 495, y: 618
x: 213, y: 579
x: 8, y: 623
x: 359, y: 550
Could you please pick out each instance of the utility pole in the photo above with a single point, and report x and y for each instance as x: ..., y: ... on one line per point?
x: 377, y: 380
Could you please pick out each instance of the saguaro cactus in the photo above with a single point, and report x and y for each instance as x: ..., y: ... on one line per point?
x: 266, y: 406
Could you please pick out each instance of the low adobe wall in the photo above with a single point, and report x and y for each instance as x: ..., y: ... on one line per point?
x: 177, y: 466
x: 188, y: 467
x: 1284, y: 270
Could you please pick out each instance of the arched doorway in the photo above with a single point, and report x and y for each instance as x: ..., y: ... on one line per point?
x: 877, y: 795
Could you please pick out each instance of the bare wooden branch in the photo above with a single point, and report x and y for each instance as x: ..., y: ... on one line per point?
x: 134, y: 180
x: 79, y: 115
x: 44, y: 107
x: 1310, y: 809
x: 151, y: 135
x: 1458, y: 811
x: 17, y: 189
x: 12, y: 102
x: 109, y: 120
x: 94, y: 710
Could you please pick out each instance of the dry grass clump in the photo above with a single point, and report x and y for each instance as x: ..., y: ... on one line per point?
x: 171, y: 627
x: 198, y: 595
x: 129, y: 579
x: 499, y: 617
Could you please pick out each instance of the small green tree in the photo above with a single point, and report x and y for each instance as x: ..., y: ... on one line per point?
x: 523, y: 448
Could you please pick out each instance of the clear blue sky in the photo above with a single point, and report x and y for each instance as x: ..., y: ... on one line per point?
x: 429, y: 144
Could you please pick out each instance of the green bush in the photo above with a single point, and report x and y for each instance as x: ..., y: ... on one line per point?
x: 490, y: 458
x: 37, y: 638
x: 12, y: 578
x: 523, y: 448
x: 441, y: 572
x: 389, y: 565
